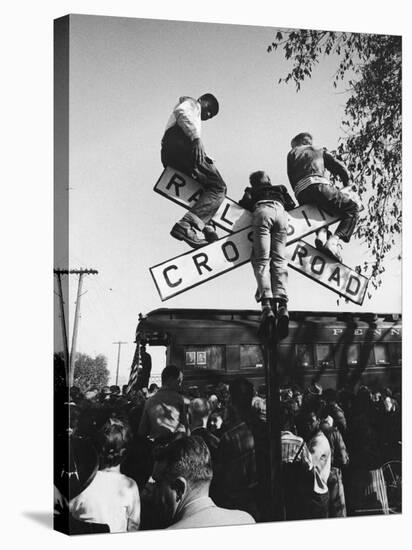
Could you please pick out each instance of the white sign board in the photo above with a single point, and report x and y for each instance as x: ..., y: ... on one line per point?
x: 185, y: 191
x: 321, y: 268
x: 195, y: 267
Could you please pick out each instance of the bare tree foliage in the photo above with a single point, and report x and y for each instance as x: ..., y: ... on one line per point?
x: 369, y: 66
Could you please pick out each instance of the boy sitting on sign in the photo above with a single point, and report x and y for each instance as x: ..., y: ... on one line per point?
x: 182, y: 149
x: 306, y: 167
x: 270, y: 221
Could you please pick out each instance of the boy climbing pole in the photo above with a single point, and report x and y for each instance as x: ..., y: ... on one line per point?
x: 182, y: 149
x: 306, y: 166
x: 269, y: 203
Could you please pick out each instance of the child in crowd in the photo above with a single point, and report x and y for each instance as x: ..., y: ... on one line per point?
x: 111, y: 498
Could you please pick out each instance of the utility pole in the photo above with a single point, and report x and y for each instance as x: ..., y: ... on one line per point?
x: 63, y: 321
x: 118, y: 359
x: 72, y: 355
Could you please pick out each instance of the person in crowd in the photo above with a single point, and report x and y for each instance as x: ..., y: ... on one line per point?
x: 76, y: 465
x: 215, y: 423
x: 235, y: 482
x: 306, y: 168
x: 269, y: 205
x: 199, y: 412
x: 111, y: 498
x: 319, y: 448
x: 259, y: 402
x: 213, y: 402
x: 335, y: 410
x: 389, y: 419
x: 297, y: 467
x: 153, y: 388
x: 105, y: 394
x: 366, y: 490
x: 165, y: 412
x: 182, y: 475
x: 183, y: 149
x: 339, y: 460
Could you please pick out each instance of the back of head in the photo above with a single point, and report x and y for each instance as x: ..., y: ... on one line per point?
x: 304, y: 138
x: 241, y: 393
x: 170, y: 374
x: 211, y: 100
x: 199, y: 409
x: 187, y: 457
x: 258, y: 178
x: 110, y: 442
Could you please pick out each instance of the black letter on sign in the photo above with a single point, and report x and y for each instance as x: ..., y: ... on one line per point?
x: 196, y: 196
x: 351, y: 290
x: 225, y: 211
x: 335, y: 276
x: 234, y: 251
x: 320, y: 267
x: 306, y: 218
x: 250, y: 236
x: 300, y: 251
x: 201, y: 261
x: 290, y: 230
x: 177, y: 181
x: 166, y: 276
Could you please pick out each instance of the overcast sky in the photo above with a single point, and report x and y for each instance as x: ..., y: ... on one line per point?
x: 125, y: 77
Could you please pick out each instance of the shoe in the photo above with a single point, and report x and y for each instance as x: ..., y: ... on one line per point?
x: 282, y: 316
x: 266, y: 325
x: 210, y: 234
x: 322, y: 236
x: 183, y: 231
x: 333, y: 248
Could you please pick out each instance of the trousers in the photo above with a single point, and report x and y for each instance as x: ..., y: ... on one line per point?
x: 268, y: 259
x: 329, y: 198
x: 177, y: 152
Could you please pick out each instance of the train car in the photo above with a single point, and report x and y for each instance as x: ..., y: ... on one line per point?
x: 334, y: 350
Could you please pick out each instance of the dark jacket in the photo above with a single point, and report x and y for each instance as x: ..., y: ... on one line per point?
x: 307, y: 161
x: 266, y: 192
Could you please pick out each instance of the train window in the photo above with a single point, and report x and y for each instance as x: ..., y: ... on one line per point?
x: 381, y: 354
x: 205, y: 357
x: 353, y: 354
x: 395, y: 353
x: 304, y: 355
x: 324, y: 356
x: 250, y: 356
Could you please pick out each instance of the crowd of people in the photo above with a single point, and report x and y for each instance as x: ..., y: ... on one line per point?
x: 163, y: 457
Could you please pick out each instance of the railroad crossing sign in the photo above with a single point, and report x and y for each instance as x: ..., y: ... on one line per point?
x: 192, y: 268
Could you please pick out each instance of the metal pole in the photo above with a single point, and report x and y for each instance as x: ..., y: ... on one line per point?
x: 273, y: 419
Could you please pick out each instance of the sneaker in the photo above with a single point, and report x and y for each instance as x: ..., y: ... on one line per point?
x: 183, y: 231
x: 333, y: 248
x: 282, y: 316
x: 210, y: 234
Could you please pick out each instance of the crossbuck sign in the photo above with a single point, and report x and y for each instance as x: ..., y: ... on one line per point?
x: 197, y: 266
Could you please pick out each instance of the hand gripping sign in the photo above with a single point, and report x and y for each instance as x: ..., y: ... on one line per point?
x: 195, y: 267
